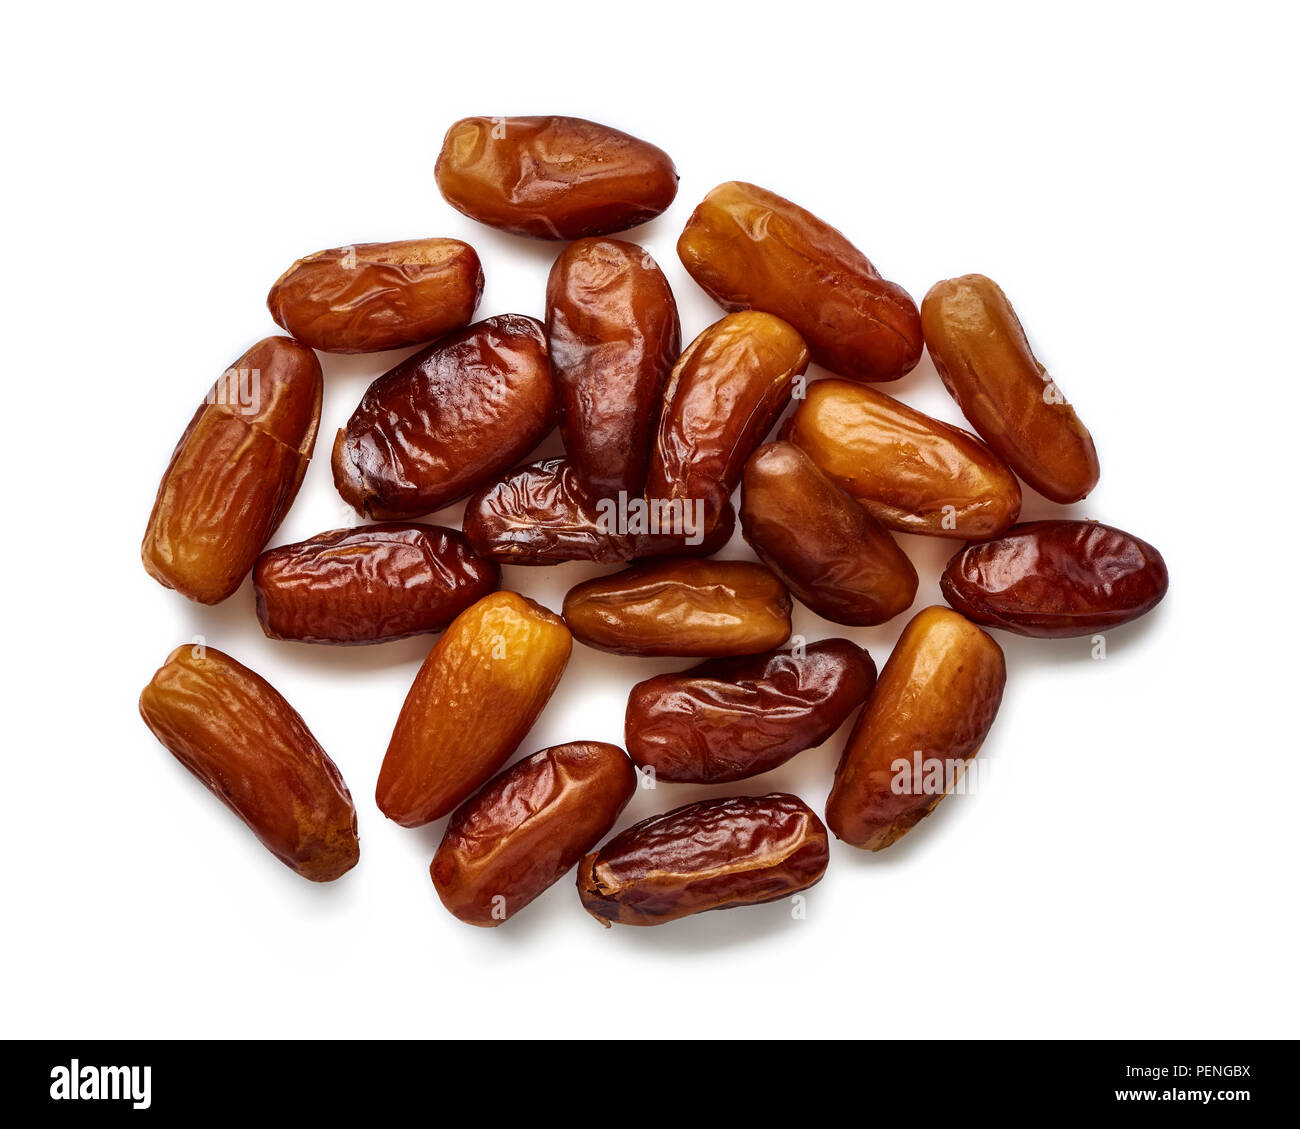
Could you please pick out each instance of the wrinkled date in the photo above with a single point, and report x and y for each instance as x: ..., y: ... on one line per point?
x: 539, y: 514
x: 722, y: 399
x: 373, y: 296
x: 715, y: 854
x: 553, y: 177
x: 728, y: 719
x: 369, y: 585
x: 980, y: 351
x: 526, y: 828
x: 915, y: 474
x: 476, y: 696
x: 613, y: 336
x: 447, y: 420
x: 928, y: 715
x: 1056, y: 578
x: 681, y: 607
x: 827, y: 549
x: 235, y: 471
x: 251, y: 749
x: 752, y: 249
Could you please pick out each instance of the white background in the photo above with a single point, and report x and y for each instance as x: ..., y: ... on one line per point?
x: 1126, y: 172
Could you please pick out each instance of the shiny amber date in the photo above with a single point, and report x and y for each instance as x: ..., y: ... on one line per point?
x: 613, y: 336
x: 715, y: 854
x: 728, y: 719
x: 826, y: 548
x: 931, y: 709
x: 251, y: 749
x: 235, y: 471
x: 525, y: 829
x: 984, y: 359
x: 1052, y: 579
x: 915, y: 474
x: 478, y: 693
x: 722, y: 398
x: 681, y: 607
x: 754, y: 250
x: 369, y: 585
x: 372, y: 296
x: 553, y: 177
x: 447, y: 420
x: 539, y: 514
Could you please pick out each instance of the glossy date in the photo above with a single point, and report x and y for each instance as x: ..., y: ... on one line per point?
x: 1053, y: 579
x: 729, y: 719
x: 369, y: 585
x: 715, y: 854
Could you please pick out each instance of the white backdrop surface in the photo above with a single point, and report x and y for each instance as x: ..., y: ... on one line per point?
x: 1127, y: 174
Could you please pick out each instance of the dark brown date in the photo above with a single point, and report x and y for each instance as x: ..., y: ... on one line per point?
x: 539, y: 514
x: 827, y: 549
x: 1056, y: 578
x: 369, y: 585
x: 613, y: 336
x: 754, y: 250
x: 728, y: 719
x: 553, y: 177
x: 715, y: 854
x: 524, y: 829
x: 447, y: 419
x: 681, y: 607
x: 372, y: 296
x: 722, y: 399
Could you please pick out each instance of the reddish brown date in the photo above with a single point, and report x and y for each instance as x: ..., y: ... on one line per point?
x: 915, y: 474
x: 715, y: 854
x: 728, y: 719
x: 613, y: 335
x: 235, y: 471
x: 553, y: 177
x: 369, y: 585
x: 539, y: 514
x: 478, y: 693
x: 525, y: 829
x: 372, y: 296
x: 826, y: 548
x: 447, y: 420
x: 983, y: 356
x: 928, y: 715
x: 251, y: 749
x: 722, y: 399
x: 681, y: 607
x: 1056, y: 578
x: 754, y: 250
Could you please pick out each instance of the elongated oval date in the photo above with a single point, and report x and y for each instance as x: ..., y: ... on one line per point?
x: 539, y: 514
x: 235, y: 471
x: 613, y: 336
x: 447, y: 420
x: 525, y: 829
x: 914, y: 473
x: 728, y: 719
x: 722, y: 398
x: 372, y: 296
x: 553, y: 177
x: 251, y: 749
x: 928, y: 715
x: 978, y: 346
x: 369, y: 585
x: 826, y: 548
x: 681, y: 607
x: 754, y: 250
x: 1052, y: 579
x: 714, y: 854
x: 478, y: 693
